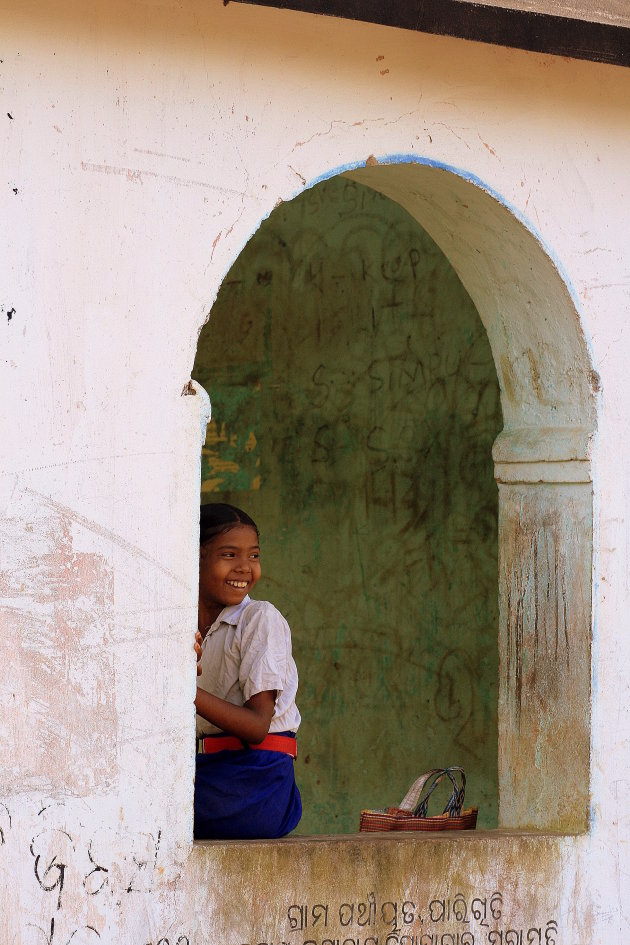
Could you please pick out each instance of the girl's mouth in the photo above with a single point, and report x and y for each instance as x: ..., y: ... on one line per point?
x: 239, y: 585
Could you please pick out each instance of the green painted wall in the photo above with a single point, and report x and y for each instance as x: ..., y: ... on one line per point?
x: 355, y: 403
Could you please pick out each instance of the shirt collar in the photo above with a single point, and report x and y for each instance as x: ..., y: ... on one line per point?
x: 230, y: 614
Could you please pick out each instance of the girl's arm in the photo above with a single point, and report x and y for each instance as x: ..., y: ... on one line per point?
x: 249, y: 722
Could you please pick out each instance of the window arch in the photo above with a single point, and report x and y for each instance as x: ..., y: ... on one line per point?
x: 348, y: 368
x: 543, y: 472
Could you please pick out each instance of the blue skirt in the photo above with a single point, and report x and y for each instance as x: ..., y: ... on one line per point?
x: 245, y: 795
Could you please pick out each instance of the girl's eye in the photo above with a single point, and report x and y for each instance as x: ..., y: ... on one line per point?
x: 255, y: 556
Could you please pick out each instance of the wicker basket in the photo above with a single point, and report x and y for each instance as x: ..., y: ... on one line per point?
x: 412, y: 812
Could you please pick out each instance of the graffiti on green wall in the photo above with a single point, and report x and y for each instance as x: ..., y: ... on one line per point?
x: 355, y: 403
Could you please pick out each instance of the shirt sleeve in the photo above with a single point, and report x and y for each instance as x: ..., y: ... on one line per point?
x: 265, y: 647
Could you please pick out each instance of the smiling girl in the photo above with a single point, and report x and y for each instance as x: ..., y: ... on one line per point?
x: 246, y: 713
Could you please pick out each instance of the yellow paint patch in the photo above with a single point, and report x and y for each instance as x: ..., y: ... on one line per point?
x: 217, y: 464
x: 211, y: 485
x: 214, y: 436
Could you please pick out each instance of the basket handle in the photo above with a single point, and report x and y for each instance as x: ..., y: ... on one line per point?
x: 455, y: 802
x: 412, y: 797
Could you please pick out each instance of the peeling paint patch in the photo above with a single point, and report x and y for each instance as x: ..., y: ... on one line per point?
x: 509, y: 381
x: 215, y: 243
x: 536, y: 588
x: 544, y: 641
x: 57, y: 689
x: 535, y: 375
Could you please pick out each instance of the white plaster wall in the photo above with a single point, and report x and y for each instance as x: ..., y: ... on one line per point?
x: 146, y: 141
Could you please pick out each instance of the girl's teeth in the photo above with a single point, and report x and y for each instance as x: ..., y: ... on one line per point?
x: 239, y: 584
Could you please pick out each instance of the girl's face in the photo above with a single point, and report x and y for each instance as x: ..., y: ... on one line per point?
x: 229, y: 566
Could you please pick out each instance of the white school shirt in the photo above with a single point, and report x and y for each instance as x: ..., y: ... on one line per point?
x: 248, y: 650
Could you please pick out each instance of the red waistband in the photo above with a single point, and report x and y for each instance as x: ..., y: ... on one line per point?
x: 213, y: 743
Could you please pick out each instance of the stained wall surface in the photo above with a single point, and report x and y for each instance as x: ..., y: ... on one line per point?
x: 142, y: 146
x: 614, y: 12
x: 355, y: 403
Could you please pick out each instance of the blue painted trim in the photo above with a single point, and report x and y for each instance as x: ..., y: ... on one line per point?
x: 393, y: 159
x: 471, y: 179
x: 488, y: 189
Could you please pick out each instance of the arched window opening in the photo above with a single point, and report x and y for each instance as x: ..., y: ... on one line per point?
x: 355, y: 404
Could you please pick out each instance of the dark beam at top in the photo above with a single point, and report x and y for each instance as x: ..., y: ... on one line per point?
x: 535, y: 32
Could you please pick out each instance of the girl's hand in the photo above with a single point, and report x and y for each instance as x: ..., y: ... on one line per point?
x: 198, y: 651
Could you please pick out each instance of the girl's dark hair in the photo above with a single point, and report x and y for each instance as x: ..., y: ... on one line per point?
x: 218, y: 517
